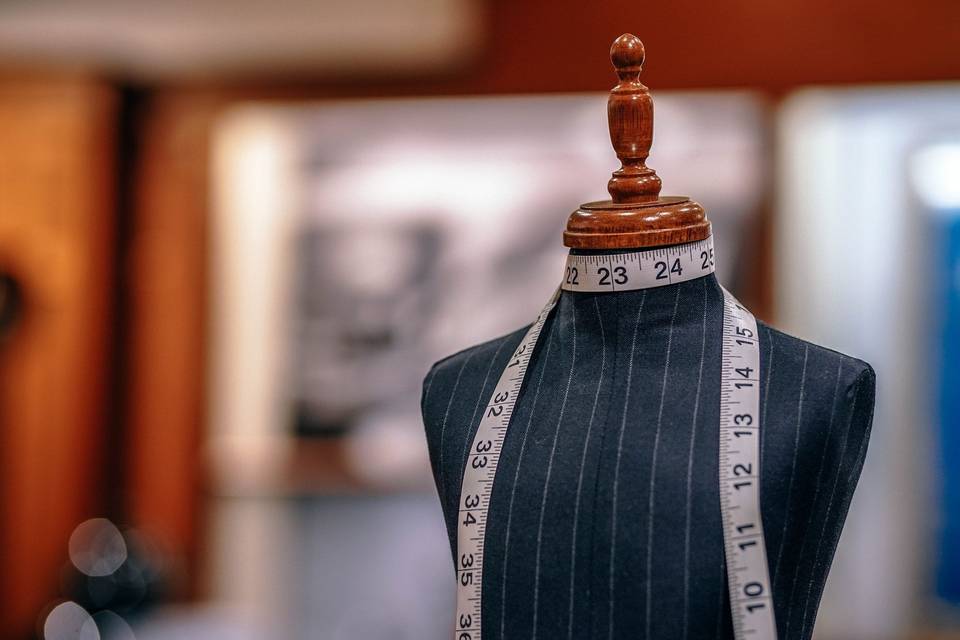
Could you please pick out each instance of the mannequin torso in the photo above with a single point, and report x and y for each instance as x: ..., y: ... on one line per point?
x: 604, y: 519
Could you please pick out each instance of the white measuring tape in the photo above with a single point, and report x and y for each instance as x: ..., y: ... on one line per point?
x: 751, y: 599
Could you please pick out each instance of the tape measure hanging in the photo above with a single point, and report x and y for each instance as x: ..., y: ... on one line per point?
x: 748, y: 578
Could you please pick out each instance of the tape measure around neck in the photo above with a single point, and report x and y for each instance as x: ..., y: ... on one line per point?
x: 748, y: 578
x: 629, y: 271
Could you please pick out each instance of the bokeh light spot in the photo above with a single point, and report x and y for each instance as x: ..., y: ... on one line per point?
x: 69, y: 621
x: 97, y: 547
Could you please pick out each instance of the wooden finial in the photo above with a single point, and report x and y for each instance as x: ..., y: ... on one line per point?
x: 630, y: 119
x: 636, y: 215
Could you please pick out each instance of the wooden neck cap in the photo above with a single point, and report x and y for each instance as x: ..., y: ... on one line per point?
x: 636, y: 215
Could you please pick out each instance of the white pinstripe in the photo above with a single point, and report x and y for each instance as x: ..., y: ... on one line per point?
x: 766, y: 392
x: 693, y: 438
x: 793, y: 468
x: 826, y: 518
x: 583, y: 460
x: 816, y: 495
x: 616, y: 471
x: 426, y: 391
x: 546, y: 480
x: 513, y: 487
x: 443, y: 428
x: 651, y: 492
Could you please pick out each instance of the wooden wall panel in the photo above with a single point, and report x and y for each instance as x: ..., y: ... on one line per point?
x: 56, y: 230
x: 167, y: 334
x: 546, y: 45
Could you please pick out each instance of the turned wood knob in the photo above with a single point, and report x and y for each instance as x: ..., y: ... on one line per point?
x: 636, y: 215
x: 630, y: 119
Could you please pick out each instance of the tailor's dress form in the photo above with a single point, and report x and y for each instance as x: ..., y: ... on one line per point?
x: 604, y: 520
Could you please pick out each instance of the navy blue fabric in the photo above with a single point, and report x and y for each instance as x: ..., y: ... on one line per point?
x: 605, y: 517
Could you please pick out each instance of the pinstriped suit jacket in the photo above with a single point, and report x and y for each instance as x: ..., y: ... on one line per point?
x: 604, y: 520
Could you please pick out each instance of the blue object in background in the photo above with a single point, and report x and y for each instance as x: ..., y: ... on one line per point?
x: 935, y: 168
x: 947, y: 317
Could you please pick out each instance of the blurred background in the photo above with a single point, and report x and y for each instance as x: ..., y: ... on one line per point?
x: 235, y: 235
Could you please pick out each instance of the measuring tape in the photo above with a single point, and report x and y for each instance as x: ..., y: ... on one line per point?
x: 751, y: 601
x: 748, y: 576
